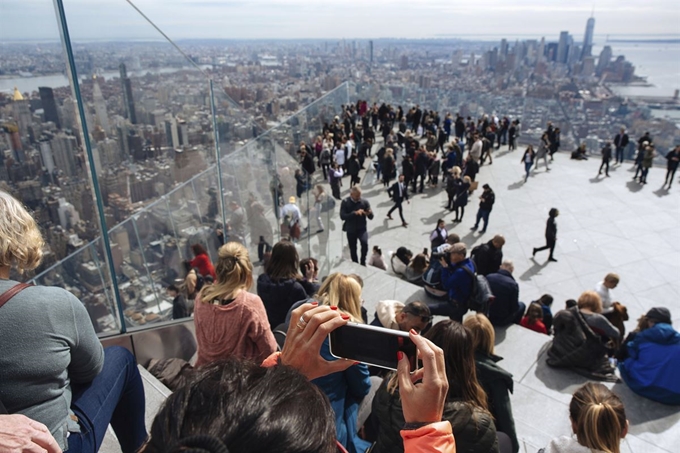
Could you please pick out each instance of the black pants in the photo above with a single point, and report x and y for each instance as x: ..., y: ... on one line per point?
x: 335, y: 189
x: 462, y: 213
x: 452, y: 309
x: 326, y: 168
x: 605, y: 165
x: 449, y: 204
x: 670, y: 174
x: 619, y: 155
x: 511, y: 143
x: 397, y: 205
x: 422, y: 182
x: 352, y: 237
x: 550, y: 244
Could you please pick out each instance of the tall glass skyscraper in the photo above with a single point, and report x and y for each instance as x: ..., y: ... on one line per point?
x: 588, y: 38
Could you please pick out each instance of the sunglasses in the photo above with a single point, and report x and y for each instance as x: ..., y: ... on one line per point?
x: 425, y: 319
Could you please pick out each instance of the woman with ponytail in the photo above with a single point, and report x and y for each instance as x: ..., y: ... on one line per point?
x: 598, y: 420
x: 229, y: 320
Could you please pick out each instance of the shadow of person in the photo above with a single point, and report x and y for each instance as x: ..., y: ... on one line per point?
x: 634, y: 186
x: 596, y: 179
x: 561, y: 379
x: 641, y: 411
x: 662, y: 192
x: 516, y: 185
x: 533, y: 270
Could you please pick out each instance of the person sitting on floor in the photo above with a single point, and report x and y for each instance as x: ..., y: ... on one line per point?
x: 393, y: 314
x: 416, y: 268
x: 534, y: 319
x: 545, y: 301
x: 400, y: 261
x: 652, y: 366
x: 506, y: 308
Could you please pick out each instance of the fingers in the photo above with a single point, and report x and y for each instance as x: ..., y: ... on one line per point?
x: 426, y: 350
x: 404, y: 374
x: 336, y: 366
x: 297, y: 313
x: 322, y: 324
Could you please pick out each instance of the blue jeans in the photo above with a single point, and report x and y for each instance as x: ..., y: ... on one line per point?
x: 115, y: 396
x: 482, y: 214
x: 527, y: 169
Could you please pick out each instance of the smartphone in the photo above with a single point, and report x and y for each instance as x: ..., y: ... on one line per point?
x: 372, y: 345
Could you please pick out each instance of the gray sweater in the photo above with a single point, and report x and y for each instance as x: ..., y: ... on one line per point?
x: 46, y: 342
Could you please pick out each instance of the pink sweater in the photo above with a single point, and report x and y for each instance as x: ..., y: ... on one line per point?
x: 238, y: 329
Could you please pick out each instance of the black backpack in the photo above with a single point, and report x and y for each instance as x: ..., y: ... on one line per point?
x: 481, y: 296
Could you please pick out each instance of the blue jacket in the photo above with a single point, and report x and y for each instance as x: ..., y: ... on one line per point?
x: 457, y: 282
x: 345, y: 390
x: 652, y: 368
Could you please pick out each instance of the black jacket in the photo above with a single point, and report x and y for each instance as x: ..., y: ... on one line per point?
x: 354, y: 223
x: 488, y: 199
x: 393, y: 192
x: 551, y: 229
x: 576, y: 346
x: 474, y: 430
x: 279, y: 296
x: 498, y: 385
x: 487, y: 258
x: 506, y: 291
x: 621, y: 141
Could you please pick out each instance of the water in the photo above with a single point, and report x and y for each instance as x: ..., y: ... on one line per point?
x: 30, y: 84
x: 658, y: 62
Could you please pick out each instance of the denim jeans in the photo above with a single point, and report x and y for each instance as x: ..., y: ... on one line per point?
x: 527, y: 169
x: 115, y: 396
x: 483, y: 214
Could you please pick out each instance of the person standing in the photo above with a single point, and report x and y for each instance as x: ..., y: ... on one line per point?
x: 462, y: 192
x: 672, y: 159
x: 476, y: 150
x: 528, y: 160
x: 647, y: 160
x: 643, y: 142
x: 354, y: 211
x: 550, y: 235
x: 512, y: 135
x: 335, y: 174
x: 620, y: 142
x: 398, y: 192
x: 542, y: 152
x: 554, y: 142
x: 487, y: 200
x: 291, y: 215
x: 606, y: 157
x: 319, y: 198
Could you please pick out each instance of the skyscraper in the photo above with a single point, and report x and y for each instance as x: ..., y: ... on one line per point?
x: 604, y: 60
x: 588, y: 38
x: 128, y: 100
x: 370, y: 51
x: 49, y: 105
x: 562, y: 47
x: 100, y: 107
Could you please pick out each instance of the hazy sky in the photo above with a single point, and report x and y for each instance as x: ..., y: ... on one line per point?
x: 112, y: 19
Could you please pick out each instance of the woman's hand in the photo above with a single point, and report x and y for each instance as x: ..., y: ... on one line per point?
x: 20, y: 434
x: 423, y: 402
x: 309, y: 326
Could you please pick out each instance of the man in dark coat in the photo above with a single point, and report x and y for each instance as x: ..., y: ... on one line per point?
x: 506, y: 308
x: 487, y: 199
x: 354, y: 211
x: 620, y: 142
x: 488, y: 257
x: 398, y: 192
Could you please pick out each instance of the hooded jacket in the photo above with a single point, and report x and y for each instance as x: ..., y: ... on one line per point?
x: 498, y: 385
x: 652, y: 368
x: 386, y: 313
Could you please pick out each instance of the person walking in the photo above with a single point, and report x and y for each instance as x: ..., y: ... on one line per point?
x: 398, y: 192
x: 550, y: 235
x: 672, y: 159
x: 354, y: 211
x: 606, y: 157
x: 528, y: 160
x: 542, y: 152
x: 620, y: 142
x: 486, y: 202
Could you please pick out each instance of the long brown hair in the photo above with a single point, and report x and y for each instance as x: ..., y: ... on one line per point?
x: 599, y: 417
x: 283, y: 264
x: 234, y: 272
x: 459, y: 354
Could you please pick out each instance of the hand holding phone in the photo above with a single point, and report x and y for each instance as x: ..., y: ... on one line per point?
x: 372, y: 345
x: 423, y: 402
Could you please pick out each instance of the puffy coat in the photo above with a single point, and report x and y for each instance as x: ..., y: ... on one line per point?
x: 652, y: 368
x: 576, y: 346
x: 278, y: 296
x: 474, y: 429
x: 498, y: 385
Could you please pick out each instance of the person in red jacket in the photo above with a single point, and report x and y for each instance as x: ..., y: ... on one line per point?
x: 534, y: 319
x: 202, y: 261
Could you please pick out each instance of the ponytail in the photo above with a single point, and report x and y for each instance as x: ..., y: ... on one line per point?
x: 599, y: 417
x: 234, y: 271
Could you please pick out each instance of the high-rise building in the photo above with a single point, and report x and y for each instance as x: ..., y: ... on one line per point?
x: 370, y: 51
x: 100, y: 107
x: 21, y: 112
x: 604, y: 60
x: 504, y: 49
x: 49, y: 105
x: 64, y: 149
x: 128, y: 100
x: 588, y: 38
x: 562, y: 47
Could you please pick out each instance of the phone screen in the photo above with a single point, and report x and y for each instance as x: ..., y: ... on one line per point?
x: 372, y: 345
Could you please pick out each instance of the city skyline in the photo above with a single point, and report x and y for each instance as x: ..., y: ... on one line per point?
x: 303, y: 19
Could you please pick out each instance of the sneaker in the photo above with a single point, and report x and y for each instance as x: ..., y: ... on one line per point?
x: 552, y: 259
x: 534, y: 253
x: 405, y: 225
x: 319, y: 231
x: 390, y: 217
x: 473, y: 228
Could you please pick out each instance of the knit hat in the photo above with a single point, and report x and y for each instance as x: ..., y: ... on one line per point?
x: 659, y: 314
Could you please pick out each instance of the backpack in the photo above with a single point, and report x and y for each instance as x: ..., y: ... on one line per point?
x: 433, y: 275
x: 481, y: 296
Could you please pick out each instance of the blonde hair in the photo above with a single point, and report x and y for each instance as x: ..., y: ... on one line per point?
x: 612, y: 277
x: 21, y: 243
x: 234, y: 272
x: 483, y: 334
x: 599, y: 417
x: 590, y: 300
x: 342, y: 291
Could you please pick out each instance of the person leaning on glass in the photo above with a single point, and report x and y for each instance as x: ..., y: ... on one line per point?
x: 54, y: 373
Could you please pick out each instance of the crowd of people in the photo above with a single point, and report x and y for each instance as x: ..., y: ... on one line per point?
x: 264, y: 378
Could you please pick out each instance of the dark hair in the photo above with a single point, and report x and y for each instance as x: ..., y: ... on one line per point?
x: 458, y: 345
x: 198, y: 249
x: 249, y: 409
x: 173, y: 288
x: 534, y: 313
x: 417, y: 308
x: 404, y: 255
x: 553, y: 212
x: 376, y: 249
x: 283, y: 264
x: 545, y: 299
x: 304, y: 262
x: 571, y: 303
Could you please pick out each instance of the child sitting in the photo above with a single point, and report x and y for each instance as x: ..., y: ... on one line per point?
x: 533, y: 320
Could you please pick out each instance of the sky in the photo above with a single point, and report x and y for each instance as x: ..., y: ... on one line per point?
x: 34, y: 20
